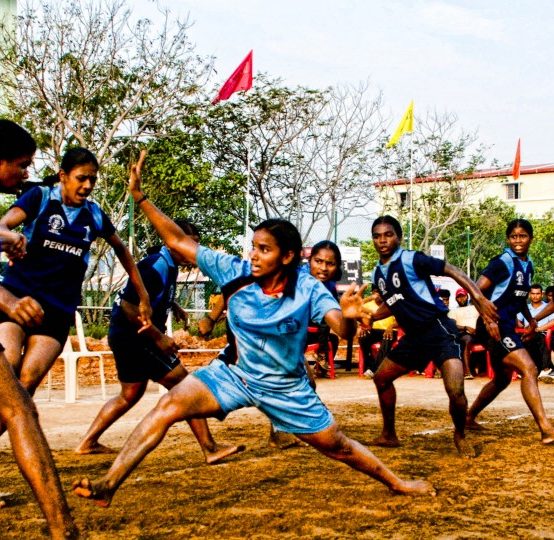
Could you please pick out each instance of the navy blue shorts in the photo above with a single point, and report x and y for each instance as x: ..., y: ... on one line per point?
x: 510, y: 341
x: 438, y: 341
x: 138, y: 361
x: 55, y: 323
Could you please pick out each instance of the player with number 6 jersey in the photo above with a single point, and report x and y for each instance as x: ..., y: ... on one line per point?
x: 403, y: 279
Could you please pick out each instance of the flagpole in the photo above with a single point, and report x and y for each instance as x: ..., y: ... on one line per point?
x: 245, y: 245
x: 410, y: 246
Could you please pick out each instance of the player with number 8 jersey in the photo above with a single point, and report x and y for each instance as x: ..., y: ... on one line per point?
x: 507, y: 281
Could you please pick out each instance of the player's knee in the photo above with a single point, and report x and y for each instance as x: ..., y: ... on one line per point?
x: 339, y: 447
x: 169, y: 409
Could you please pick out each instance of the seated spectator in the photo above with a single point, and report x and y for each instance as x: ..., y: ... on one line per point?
x: 462, y: 297
x: 444, y: 295
x: 535, y: 343
x: 382, y: 331
x: 549, y: 293
x: 465, y: 316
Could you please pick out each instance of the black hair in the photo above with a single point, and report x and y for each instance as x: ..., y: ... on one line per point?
x: 444, y: 293
x: 327, y: 244
x: 77, y: 156
x: 520, y: 222
x: 536, y: 286
x: 549, y: 289
x: 388, y: 220
x: 288, y: 239
x: 188, y: 227
x: 15, y: 141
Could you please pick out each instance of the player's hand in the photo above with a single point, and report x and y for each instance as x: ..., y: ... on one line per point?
x: 135, y: 176
x: 351, y: 302
x: 487, y: 309
x: 492, y: 329
x: 14, y: 244
x: 530, y: 331
x: 179, y: 313
x: 205, y: 326
x: 145, y: 314
x: 26, y: 311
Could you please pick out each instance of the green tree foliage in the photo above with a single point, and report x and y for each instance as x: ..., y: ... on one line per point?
x: 181, y: 182
x: 542, y: 249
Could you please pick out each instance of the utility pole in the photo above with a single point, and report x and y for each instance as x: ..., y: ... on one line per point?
x: 468, y: 250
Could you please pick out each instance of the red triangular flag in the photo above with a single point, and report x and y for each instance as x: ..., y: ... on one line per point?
x: 241, y: 79
x: 517, y: 161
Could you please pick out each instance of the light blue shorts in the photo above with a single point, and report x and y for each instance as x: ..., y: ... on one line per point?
x: 298, y: 409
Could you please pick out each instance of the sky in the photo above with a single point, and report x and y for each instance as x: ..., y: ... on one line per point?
x: 488, y: 61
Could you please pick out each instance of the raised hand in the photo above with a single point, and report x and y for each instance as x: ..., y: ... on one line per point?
x: 352, y: 300
x: 135, y: 176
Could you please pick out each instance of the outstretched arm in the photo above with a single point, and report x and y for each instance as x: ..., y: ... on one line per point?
x: 484, y: 306
x: 172, y: 235
x: 127, y: 261
x: 545, y: 312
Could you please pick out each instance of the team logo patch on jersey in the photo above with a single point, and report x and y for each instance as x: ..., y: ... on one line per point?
x: 519, y: 278
x: 55, y: 224
x: 381, y: 285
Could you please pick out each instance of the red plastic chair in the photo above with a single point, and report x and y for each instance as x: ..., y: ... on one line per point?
x: 314, y: 347
x: 478, y: 348
x: 374, y: 350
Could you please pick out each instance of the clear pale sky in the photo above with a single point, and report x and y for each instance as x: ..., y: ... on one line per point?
x: 488, y: 61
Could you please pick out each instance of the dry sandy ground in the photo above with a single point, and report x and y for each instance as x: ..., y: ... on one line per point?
x: 506, y: 492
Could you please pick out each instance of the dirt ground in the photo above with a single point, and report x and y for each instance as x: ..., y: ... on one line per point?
x: 263, y: 493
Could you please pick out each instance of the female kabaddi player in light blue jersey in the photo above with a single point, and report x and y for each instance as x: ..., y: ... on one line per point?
x: 268, y: 315
x: 60, y: 224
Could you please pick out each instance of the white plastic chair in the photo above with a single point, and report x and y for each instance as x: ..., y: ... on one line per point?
x: 71, y: 358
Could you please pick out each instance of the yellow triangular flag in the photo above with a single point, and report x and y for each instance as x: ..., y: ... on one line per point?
x: 406, y: 125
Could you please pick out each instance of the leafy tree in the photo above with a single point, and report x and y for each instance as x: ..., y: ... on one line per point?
x: 542, y: 249
x: 84, y: 74
x: 308, y: 151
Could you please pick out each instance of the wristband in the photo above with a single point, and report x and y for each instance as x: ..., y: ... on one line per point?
x: 142, y: 199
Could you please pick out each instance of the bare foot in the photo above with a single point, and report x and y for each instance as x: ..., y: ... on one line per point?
x: 465, y: 449
x: 96, y: 448
x: 385, y: 442
x: 2, y: 503
x: 215, y: 456
x: 88, y: 490
x: 282, y: 440
x: 414, y: 487
x: 547, y: 437
x: 472, y: 425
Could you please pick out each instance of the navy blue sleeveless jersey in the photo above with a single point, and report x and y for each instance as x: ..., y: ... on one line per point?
x: 512, y: 279
x: 58, y: 247
x: 159, y: 274
x: 405, y: 285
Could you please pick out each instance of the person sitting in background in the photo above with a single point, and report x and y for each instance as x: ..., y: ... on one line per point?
x: 382, y: 331
x: 325, y: 264
x: 444, y: 295
x: 465, y: 316
x: 535, y: 343
x: 462, y: 297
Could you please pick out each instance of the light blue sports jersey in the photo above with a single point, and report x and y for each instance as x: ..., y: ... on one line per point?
x: 270, y: 333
